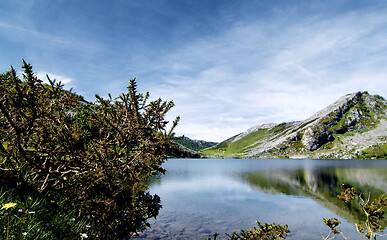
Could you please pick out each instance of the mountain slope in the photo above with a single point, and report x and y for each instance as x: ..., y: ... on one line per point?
x: 193, y: 144
x: 353, y: 125
x: 184, y: 147
x: 177, y: 150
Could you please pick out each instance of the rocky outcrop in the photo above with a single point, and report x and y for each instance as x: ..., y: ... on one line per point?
x: 320, y: 131
x: 312, y: 139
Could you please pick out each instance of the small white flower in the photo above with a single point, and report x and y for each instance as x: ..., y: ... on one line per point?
x: 24, y: 233
x: 73, y: 219
x: 84, y: 235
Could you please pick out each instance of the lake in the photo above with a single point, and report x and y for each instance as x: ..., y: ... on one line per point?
x: 205, y: 196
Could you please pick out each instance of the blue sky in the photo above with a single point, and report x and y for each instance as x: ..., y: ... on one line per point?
x: 227, y: 65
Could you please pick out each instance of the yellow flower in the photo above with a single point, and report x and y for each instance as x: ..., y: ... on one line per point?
x: 8, y: 205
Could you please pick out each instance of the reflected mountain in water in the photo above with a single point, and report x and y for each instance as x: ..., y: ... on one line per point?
x: 323, y: 185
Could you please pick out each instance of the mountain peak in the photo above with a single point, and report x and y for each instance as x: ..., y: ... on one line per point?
x: 323, y: 135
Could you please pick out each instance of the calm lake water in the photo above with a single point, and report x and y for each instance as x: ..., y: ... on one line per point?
x: 204, y: 196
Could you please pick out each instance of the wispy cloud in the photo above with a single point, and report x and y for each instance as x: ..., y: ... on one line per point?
x: 58, y: 78
x: 46, y: 40
x: 256, y: 73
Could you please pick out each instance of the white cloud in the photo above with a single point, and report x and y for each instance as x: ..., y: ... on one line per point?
x: 64, y: 80
x: 254, y: 73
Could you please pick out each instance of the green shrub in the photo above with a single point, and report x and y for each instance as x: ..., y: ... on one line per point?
x: 373, y: 211
x: 266, y: 231
x: 97, y: 157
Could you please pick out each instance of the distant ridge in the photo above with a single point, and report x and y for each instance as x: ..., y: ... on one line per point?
x: 184, y: 147
x: 355, y: 126
x: 193, y: 144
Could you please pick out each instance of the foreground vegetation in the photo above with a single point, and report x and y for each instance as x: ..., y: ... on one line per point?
x: 373, y: 211
x: 63, y: 158
x: 28, y: 215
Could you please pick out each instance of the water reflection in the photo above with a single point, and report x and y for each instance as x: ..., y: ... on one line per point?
x: 323, y: 184
x: 204, y: 196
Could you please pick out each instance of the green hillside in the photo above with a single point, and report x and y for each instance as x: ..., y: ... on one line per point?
x: 234, y: 146
x: 195, y: 145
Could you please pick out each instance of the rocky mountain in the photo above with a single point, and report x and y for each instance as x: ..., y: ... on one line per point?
x: 355, y: 126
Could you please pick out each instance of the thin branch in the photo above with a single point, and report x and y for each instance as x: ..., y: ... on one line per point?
x: 358, y: 230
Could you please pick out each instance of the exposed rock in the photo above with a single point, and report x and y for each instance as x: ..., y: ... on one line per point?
x: 353, y: 117
x: 312, y: 140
